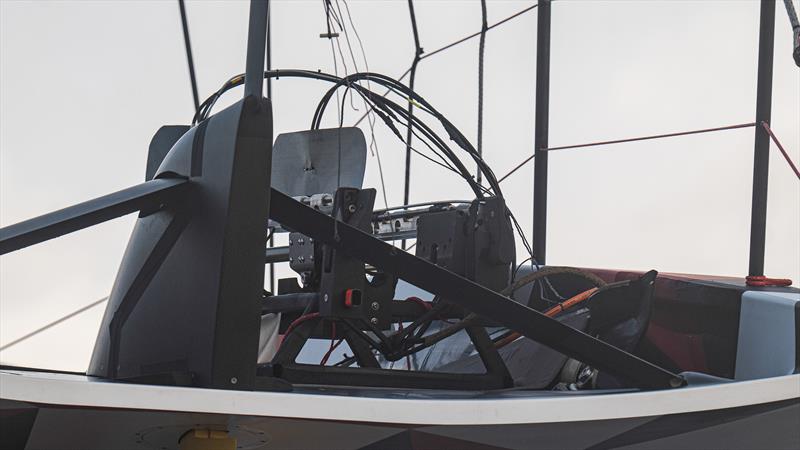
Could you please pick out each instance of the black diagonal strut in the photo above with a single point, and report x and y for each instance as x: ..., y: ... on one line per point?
x: 471, y: 296
x: 150, y: 194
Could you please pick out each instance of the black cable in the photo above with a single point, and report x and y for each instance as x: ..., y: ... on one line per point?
x: 453, y: 132
x: 189, y: 58
x: 413, y: 76
x: 389, y: 106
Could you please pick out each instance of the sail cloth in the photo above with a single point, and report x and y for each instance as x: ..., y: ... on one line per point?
x: 319, y: 161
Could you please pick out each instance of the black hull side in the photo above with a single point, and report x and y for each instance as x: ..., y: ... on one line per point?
x: 763, y: 426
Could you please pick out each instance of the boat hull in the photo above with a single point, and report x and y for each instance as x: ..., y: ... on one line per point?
x: 57, y: 411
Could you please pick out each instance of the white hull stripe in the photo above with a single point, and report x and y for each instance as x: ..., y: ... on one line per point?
x: 73, y: 390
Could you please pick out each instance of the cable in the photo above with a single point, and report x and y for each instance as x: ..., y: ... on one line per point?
x: 635, y: 139
x: 373, y: 145
x: 780, y: 147
x: 413, y: 75
x: 466, y: 38
x: 386, y: 109
x: 52, y: 324
x: 453, y: 132
x: 453, y: 44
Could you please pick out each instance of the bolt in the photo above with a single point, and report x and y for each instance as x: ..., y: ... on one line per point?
x: 290, y: 242
x: 375, y: 306
x: 291, y: 259
x: 325, y: 298
x: 301, y: 241
x: 301, y: 259
x: 373, y: 321
x: 352, y: 208
x: 234, y: 380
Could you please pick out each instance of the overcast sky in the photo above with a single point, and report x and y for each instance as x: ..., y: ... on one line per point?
x: 84, y: 85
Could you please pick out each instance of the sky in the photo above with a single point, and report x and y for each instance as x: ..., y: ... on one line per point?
x: 84, y: 85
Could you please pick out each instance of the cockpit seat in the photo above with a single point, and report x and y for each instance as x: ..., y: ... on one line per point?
x: 618, y: 314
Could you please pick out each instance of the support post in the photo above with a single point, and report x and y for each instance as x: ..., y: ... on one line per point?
x: 758, y: 220
x: 541, y: 133
x: 256, y: 49
x: 271, y: 242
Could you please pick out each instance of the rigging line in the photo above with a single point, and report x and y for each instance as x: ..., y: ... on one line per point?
x: 189, y: 58
x: 413, y: 74
x: 343, y: 29
x: 370, y: 116
x: 780, y: 147
x: 52, y: 324
x: 400, y: 78
x: 635, y: 139
x: 453, y: 44
x: 481, y: 48
x: 271, y: 240
x: 466, y: 38
x: 326, y: 4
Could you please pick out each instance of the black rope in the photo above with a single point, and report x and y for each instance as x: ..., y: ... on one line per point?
x: 189, y: 57
x: 481, y: 48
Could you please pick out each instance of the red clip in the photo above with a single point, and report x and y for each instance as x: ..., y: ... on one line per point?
x: 352, y: 297
x: 761, y: 281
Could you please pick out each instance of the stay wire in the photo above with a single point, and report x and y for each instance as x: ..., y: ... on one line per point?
x: 412, y: 78
x: 53, y: 323
x: 634, y: 139
x: 370, y: 116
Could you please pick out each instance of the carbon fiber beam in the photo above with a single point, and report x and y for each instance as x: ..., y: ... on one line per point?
x: 148, y: 195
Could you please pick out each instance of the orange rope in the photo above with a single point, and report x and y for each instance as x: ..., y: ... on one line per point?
x: 552, y: 312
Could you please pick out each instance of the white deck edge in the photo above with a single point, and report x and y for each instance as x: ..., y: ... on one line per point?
x: 72, y: 390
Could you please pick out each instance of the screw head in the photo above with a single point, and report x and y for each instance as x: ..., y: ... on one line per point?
x: 325, y: 298
x: 375, y: 306
x: 234, y: 380
x: 373, y: 321
x: 352, y: 208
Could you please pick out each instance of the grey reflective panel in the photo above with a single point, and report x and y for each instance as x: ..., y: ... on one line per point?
x: 318, y: 161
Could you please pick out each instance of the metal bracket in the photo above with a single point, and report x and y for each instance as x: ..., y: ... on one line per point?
x: 469, y: 295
